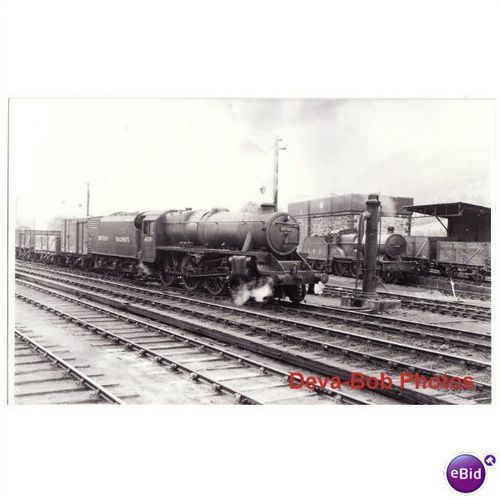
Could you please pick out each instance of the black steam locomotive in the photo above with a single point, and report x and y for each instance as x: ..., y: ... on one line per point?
x: 340, y: 254
x: 213, y: 249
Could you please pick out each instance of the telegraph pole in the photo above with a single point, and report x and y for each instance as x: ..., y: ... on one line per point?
x: 88, y: 199
x: 277, y: 149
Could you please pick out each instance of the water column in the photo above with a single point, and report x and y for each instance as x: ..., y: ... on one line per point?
x: 371, y: 243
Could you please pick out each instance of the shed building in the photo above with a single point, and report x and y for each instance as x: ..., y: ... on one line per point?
x: 465, y: 221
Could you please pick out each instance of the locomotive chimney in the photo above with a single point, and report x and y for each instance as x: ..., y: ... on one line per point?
x: 267, y: 208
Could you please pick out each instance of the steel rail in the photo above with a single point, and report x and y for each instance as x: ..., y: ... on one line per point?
x: 378, y: 322
x: 291, y: 322
x: 320, y: 345
x: 334, y: 311
x: 479, y: 307
x: 70, y: 370
x: 463, y: 312
x: 174, y: 365
x: 473, y: 311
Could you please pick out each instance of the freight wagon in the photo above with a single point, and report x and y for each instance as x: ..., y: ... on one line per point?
x: 466, y: 248
x: 38, y: 244
x: 451, y: 258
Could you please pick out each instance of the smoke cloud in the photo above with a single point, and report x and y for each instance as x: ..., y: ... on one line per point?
x: 259, y: 291
x: 144, y: 270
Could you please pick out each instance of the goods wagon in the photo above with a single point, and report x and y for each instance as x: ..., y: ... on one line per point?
x: 465, y: 250
x: 48, y: 241
x: 38, y: 244
x: 469, y: 257
x: 74, y: 236
x: 23, y: 238
x: 422, y: 249
x: 450, y: 258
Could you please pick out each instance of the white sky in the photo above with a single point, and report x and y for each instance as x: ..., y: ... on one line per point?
x: 141, y: 154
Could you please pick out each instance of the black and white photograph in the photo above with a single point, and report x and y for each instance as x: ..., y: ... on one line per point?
x: 252, y: 251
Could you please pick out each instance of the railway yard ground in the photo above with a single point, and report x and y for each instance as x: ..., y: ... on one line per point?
x: 83, y: 337
x: 477, y: 300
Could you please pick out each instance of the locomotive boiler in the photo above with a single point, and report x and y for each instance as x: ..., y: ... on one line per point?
x: 220, y: 228
x: 345, y: 244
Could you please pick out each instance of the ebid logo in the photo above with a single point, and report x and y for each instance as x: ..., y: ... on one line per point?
x: 466, y: 473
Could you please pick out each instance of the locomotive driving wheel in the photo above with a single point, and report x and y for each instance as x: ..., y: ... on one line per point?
x: 167, y: 274
x: 216, y: 285
x: 188, y: 268
x: 296, y: 293
x: 342, y: 268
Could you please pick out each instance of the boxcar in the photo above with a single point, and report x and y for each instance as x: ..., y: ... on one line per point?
x: 74, y: 236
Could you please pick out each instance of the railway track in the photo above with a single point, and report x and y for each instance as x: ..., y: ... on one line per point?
x: 443, y: 336
x: 439, y: 333
x: 465, y: 294
x: 227, y: 373
x: 432, y: 335
x: 453, y: 308
x: 310, y: 345
x: 41, y: 376
x: 462, y: 287
x: 458, y: 280
x: 460, y: 309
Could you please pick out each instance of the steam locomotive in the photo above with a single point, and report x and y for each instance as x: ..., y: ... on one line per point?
x: 337, y: 253
x: 213, y: 249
